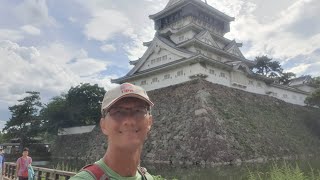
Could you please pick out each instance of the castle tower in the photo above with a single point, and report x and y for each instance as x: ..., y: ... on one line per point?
x: 189, y: 43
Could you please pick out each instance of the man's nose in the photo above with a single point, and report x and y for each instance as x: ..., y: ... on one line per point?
x: 129, y: 119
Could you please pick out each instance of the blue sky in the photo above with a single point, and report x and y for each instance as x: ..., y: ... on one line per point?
x: 51, y: 45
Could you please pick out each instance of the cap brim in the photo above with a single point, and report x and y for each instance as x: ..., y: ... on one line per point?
x: 128, y: 95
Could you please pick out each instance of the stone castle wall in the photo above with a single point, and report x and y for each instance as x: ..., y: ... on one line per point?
x: 203, y: 123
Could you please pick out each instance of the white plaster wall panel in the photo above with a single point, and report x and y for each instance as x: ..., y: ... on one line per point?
x: 306, y: 88
x: 288, y: 96
x: 256, y: 86
x: 181, y: 23
x: 157, y: 59
x: 75, y: 130
x: 162, y: 82
x: 219, y: 77
x: 239, y: 78
x: 182, y: 37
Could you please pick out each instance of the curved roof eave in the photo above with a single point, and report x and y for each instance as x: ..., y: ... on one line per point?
x: 248, y: 62
x: 172, y: 65
x: 199, y: 3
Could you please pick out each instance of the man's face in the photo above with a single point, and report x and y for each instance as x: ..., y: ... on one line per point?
x: 127, y: 123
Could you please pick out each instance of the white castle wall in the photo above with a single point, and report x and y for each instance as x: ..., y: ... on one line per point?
x: 182, y: 37
x: 157, y: 59
x: 234, y: 79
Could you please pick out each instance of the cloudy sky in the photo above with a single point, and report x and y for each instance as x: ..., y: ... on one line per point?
x: 51, y: 45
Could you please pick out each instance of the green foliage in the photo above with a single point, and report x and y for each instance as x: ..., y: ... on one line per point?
x: 25, y: 122
x: 315, y: 82
x: 79, y: 107
x: 314, y: 98
x: 84, y: 103
x: 272, y: 69
x: 284, y: 172
x: 65, y: 167
x: 285, y: 78
x: 266, y: 67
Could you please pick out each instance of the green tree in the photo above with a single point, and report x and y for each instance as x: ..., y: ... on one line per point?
x: 79, y: 107
x: 266, y: 67
x: 84, y: 103
x: 272, y: 69
x: 285, y: 78
x: 25, y: 122
x: 314, y: 99
x: 315, y: 82
x: 55, y: 115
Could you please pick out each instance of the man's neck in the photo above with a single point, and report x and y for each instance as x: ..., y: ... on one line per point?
x: 123, y: 162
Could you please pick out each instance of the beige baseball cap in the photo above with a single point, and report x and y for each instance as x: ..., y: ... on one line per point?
x: 121, y: 91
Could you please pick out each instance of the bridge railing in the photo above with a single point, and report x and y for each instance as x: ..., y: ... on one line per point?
x: 40, y: 173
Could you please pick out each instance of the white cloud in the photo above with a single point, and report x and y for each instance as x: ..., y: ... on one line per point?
x: 300, y: 69
x: 80, y: 66
x: 72, y: 19
x: 275, y: 38
x: 51, y: 70
x: 34, y: 12
x: 105, y: 24
x: 31, y: 30
x: 13, y: 35
x: 112, y: 19
x: 108, y: 48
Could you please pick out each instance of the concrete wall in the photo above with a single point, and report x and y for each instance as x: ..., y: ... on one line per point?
x: 75, y: 130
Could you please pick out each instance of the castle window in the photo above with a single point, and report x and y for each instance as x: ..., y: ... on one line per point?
x: 285, y: 96
x: 259, y: 84
x: 158, y: 59
x: 155, y: 79
x: 211, y: 71
x: 167, y: 76
x: 198, y: 51
x: 153, y: 61
x: 222, y: 74
x: 250, y: 82
x: 164, y: 58
x: 219, y: 58
x: 144, y: 82
x: 180, y: 73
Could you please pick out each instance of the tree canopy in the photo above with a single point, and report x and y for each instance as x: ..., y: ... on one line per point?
x: 79, y: 107
x: 265, y: 66
x: 314, y: 98
x: 25, y: 122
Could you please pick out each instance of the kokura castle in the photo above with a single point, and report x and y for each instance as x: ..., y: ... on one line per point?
x: 189, y: 43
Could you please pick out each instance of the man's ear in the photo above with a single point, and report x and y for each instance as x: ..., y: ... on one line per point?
x: 103, y: 126
x: 150, y: 122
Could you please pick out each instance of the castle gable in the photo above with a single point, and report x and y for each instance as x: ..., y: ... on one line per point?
x: 159, y: 52
x: 233, y: 48
x: 206, y: 37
